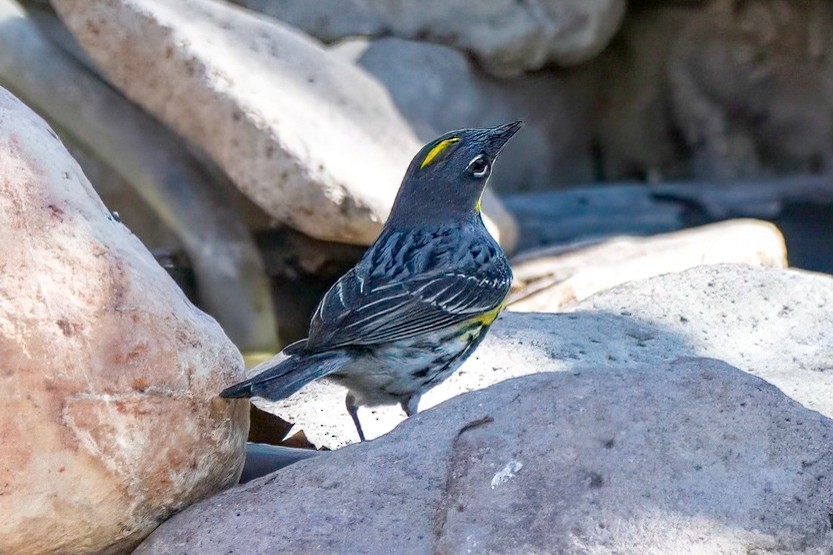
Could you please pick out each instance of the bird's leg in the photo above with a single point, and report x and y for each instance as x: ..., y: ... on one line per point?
x: 353, y: 410
x: 410, y: 404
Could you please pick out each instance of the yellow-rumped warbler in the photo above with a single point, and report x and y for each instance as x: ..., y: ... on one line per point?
x: 421, y: 298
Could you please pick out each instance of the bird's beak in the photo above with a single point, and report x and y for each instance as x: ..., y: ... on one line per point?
x: 501, y: 134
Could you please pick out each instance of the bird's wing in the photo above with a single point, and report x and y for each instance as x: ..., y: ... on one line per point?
x: 352, y: 313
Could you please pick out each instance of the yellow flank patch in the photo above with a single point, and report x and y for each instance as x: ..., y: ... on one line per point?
x: 488, y: 317
x: 438, y: 148
x: 479, y: 206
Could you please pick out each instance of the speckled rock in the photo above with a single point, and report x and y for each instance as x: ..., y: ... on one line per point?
x: 774, y: 323
x: 110, y: 420
x: 689, y: 456
x: 312, y: 139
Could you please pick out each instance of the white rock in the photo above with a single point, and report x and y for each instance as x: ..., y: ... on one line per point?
x: 505, y: 36
x: 692, y: 456
x: 310, y: 138
x: 110, y: 418
x: 773, y: 323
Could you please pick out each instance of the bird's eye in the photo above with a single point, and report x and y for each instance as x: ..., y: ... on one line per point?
x: 479, y: 167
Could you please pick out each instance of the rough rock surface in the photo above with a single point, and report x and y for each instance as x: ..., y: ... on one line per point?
x: 506, y: 37
x: 110, y: 420
x: 692, y: 456
x: 437, y: 88
x: 773, y: 323
x: 312, y: 139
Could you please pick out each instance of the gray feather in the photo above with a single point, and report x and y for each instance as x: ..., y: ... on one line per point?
x: 284, y: 378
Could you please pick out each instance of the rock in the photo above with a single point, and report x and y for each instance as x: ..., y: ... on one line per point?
x: 740, y: 314
x: 110, y: 418
x: 550, y: 279
x: 310, y: 138
x: 506, y: 37
x: 728, y: 90
x: 692, y: 456
x: 437, y: 88
x: 763, y: 114
x: 158, y: 167
x: 730, y: 312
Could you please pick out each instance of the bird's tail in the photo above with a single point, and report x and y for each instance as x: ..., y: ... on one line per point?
x: 282, y: 379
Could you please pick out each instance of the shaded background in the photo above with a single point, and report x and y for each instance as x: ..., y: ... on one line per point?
x: 642, y: 117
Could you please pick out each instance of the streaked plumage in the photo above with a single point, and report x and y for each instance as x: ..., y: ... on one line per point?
x: 421, y: 298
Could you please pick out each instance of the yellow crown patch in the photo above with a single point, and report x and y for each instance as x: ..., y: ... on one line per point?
x: 438, y: 148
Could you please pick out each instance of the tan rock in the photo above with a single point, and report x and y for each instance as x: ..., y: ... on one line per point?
x: 549, y: 282
x: 146, y: 172
x: 109, y: 420
x: 312, y: 139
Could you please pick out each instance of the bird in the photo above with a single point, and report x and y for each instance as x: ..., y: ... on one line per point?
x: 421, y: 298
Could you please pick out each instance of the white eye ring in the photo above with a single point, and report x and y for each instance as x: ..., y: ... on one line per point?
x: 478, y: 166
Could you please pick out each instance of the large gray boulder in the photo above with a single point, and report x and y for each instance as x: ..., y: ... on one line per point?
x: 312, y: 139
x: 505, y: 36
x: 774, y: 323
x: 690, y: 456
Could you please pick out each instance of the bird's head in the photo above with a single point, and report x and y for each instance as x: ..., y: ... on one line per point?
x: 446, y: 178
